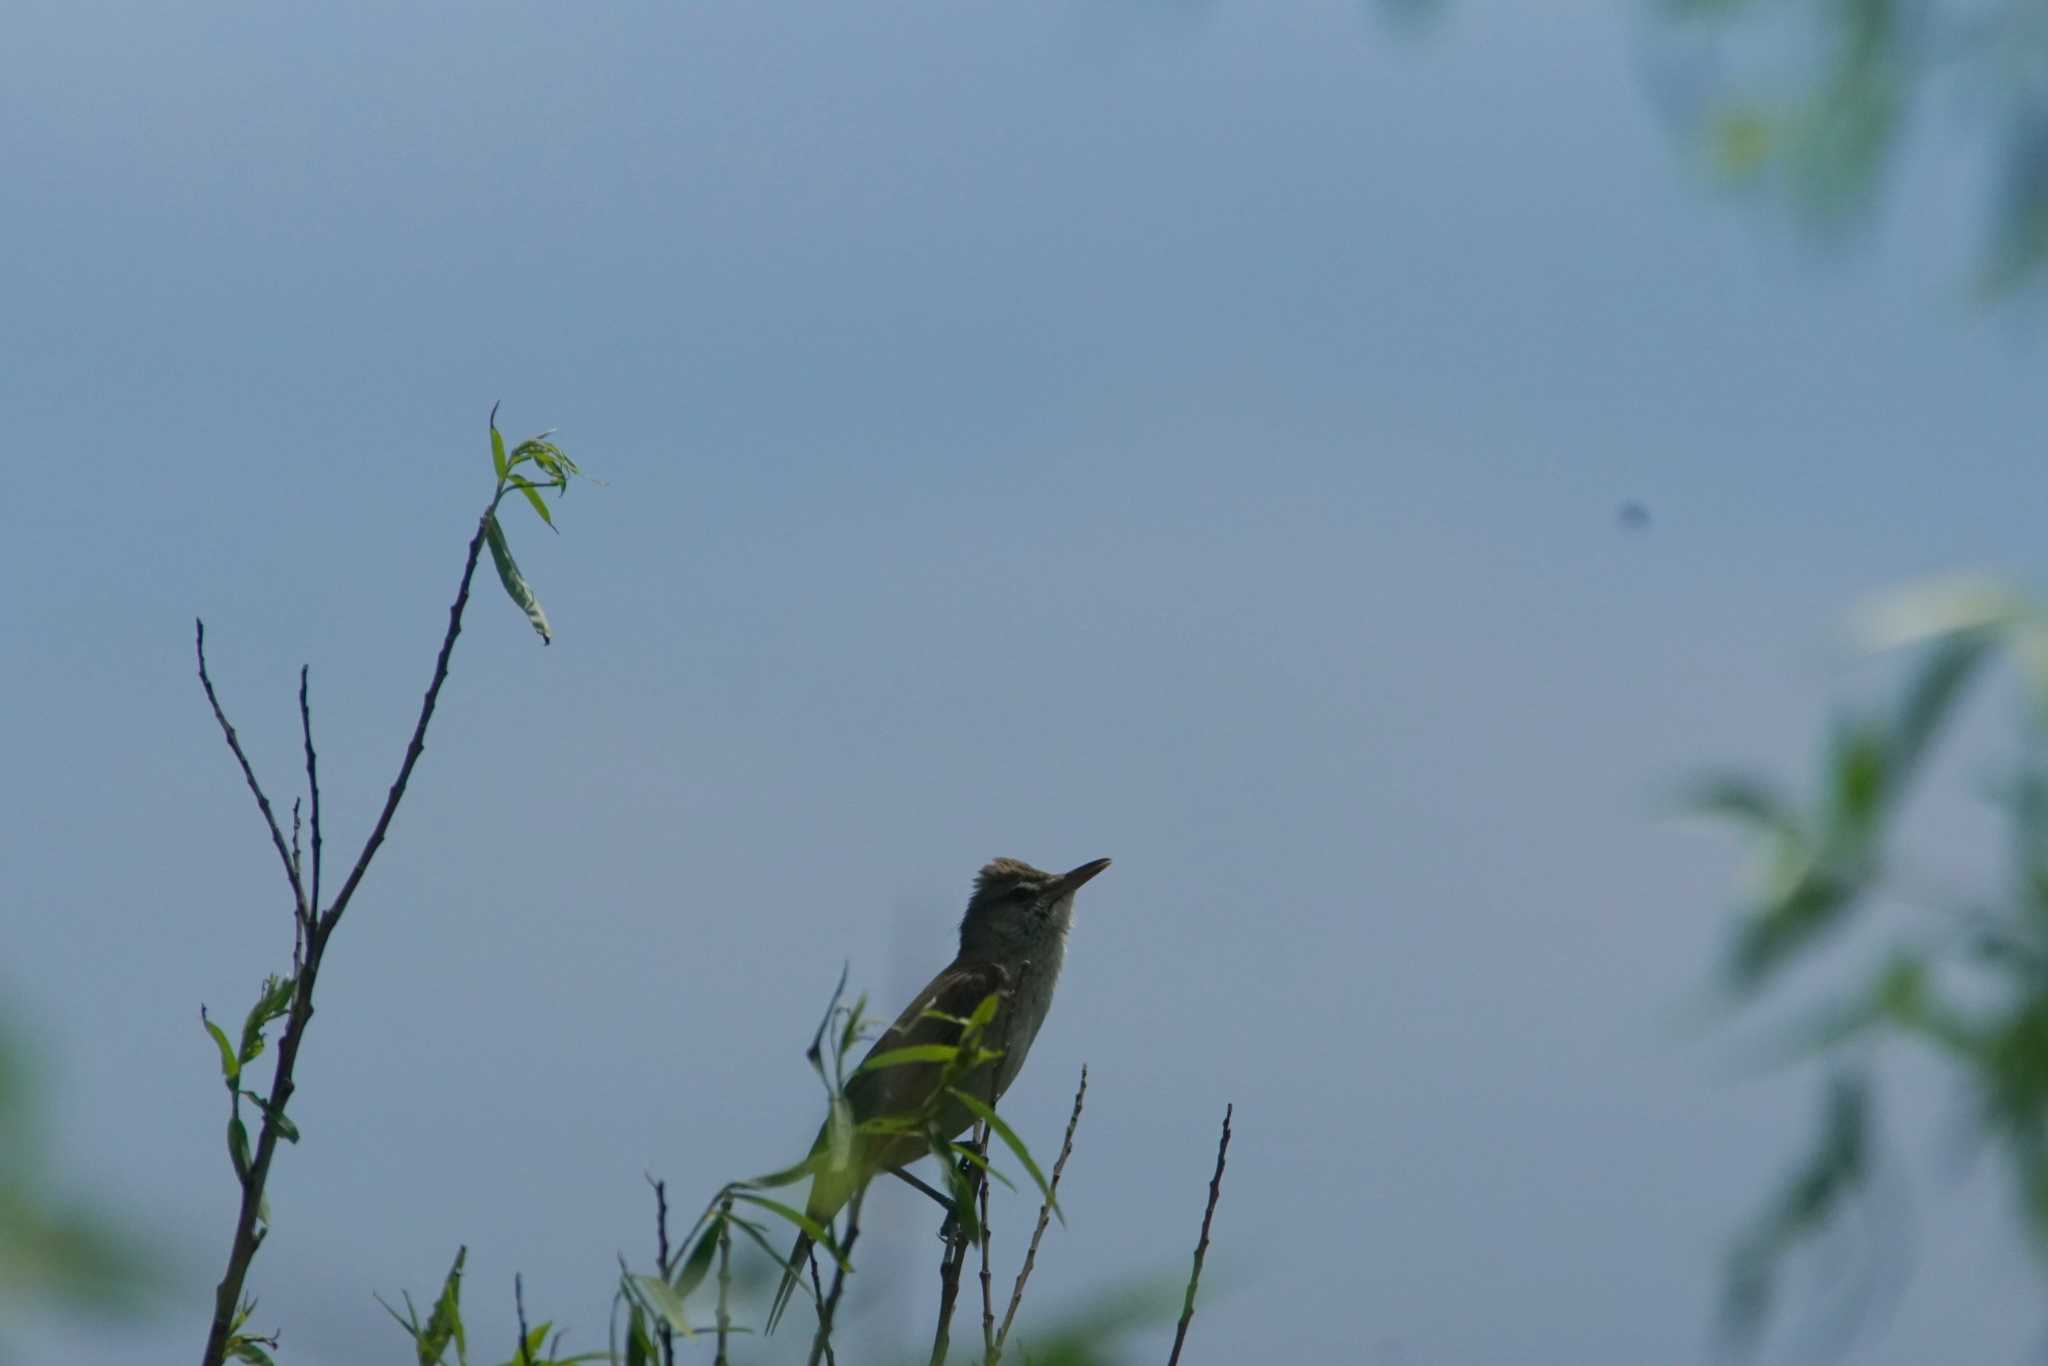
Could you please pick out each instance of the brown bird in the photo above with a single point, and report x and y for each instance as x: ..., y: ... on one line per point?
x: 1012, y: 942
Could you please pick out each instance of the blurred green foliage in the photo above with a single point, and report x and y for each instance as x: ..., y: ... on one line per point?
x: 1968, y: 981
x: 56, y: 1251
x: 1812, y: 101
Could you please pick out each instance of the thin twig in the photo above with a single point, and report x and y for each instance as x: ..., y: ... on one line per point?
x: 418, y: 742
x: 955, y: 1257
x: 988, y: 1313
x: 519, y: 1302
x: 1187, y: 1309
x: 312, y: 788
x: 818, y: 1297
x: 1044, y: 1217
x: 316, y: 928
x: 724, y: 1277
x: 943, y: 1200
x: 821, y: 1345
x: 666, y: 1334
x: 291, y: 871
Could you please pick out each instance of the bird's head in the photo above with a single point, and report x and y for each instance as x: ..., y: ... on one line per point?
x: 1016, y: 907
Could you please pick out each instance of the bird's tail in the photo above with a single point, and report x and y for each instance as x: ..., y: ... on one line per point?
x: 799, y: 1255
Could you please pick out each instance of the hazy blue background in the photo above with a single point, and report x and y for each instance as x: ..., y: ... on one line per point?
x: 1192, y: 434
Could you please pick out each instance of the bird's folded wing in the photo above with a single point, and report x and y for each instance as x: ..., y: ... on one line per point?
x: 904, y: 1089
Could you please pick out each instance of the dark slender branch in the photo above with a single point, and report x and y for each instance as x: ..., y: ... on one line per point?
x: 956, y: 1254
x: 316, y: 927
x: 821, y: 1345
x: 818, y: 1297
x: 988, y: 1313
x: 1187, y: 1310
x: 666, y: 1334
x: 1044, y: 1218
x: 284, y: 855
x: 724, y: 1278
x: 297, y: 866
x: 313, y: 790
x: 519, y: 1302
x: 419, y: 733
x: 944, y: 1200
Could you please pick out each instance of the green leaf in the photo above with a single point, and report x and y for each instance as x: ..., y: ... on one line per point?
x: 497, y: 449
x: 786, y: 1177
x: 838, y: 1134
x: 1932, y: 694
x: 286, y: 1130
x: 915, y: 1053
x: 1938, y: 607
x: 639, y: 1342
x: 760, y: 1240
x: 515, y: 582
x: 819, y: 1234
x: 238, y: 1146
x: 985, y: 1012
x: 1015, y: 1144
x: 445, y: 1323
x: 251, y: 1352
x: 274, y: 1001
x: 965, y: 1152
x: 525, y: 486
x: 1741, y: 799
x: 699, y: 1264
x: 662, y: 1299
x: 230, y: 1065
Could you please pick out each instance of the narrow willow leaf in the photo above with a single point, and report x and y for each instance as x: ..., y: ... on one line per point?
x: 498, y: 452
x: 839, y: 1134
x: 286, y: 1130
x: 1741, y: 799
x: 1934, y: 690
x: 445, y: 1323
x: 985, y: 1012
x: 1937, y: 607
x: 1016, y: 1145
x: 639, y: 1342
x: 786, y: 1177
x: 238, y: 1146
x: 661, y: 1297
x: 901, y: 1057
x: 819, y: 1234
x: 760, y: 1240
x: 230, y: 1065
x: 525, y: 486
x: 514, y: 581
x: 699, y: 1263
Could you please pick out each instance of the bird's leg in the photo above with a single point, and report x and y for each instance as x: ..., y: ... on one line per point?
x: 944, y: 1200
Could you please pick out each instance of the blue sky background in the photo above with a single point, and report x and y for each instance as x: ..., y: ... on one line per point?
x: 1190, y: 434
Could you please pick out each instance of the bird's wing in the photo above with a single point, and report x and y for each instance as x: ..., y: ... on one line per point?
x: 902, y: 1090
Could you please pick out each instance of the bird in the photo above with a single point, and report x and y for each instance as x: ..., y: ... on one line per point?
x: 1013, y: 939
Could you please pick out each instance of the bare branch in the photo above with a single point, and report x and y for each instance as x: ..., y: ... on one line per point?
x: 1044, y: 1218
x: 724, y: 1279
x: 956, y: 1253
x: 1187, y: 1310
x: 313, y: 790
x: 821, y: 1345
x: 284, y: 855
x: 818, y: 1297
x: 988, y: 1313
x: 519, y: 1302
x: 419, y: 733
x: 665, y: 1334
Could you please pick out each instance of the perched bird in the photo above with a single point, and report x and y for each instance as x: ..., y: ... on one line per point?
x: 1012, y: 942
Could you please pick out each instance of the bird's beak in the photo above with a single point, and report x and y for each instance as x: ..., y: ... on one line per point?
x: 1070, y: 882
